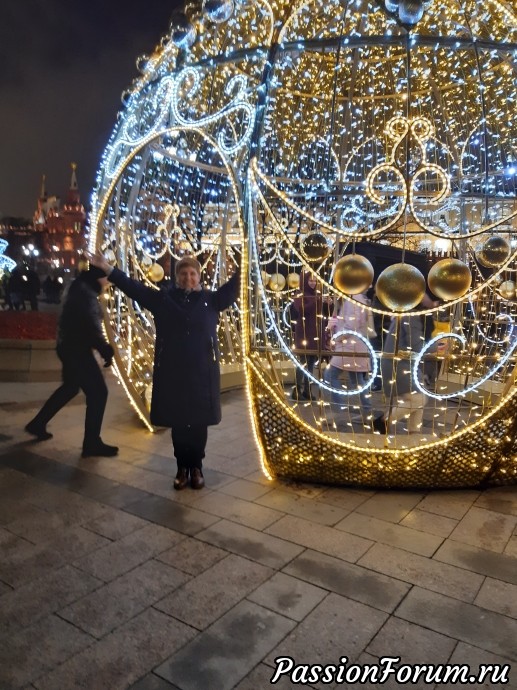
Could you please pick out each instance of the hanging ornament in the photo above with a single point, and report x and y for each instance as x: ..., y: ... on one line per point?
x: 507, y: 289
x: 146, y: 262
x: 155, y: 273
x: 293, y: 281
x: 218, y: 11
x: 391, y: 5
x: 353, y: 274
x: 183, y: 33
x: 193, y: 10
x: 400, y: 287
x: 449, y: 279
x: 82, y: 265
x: 411, y: 11
x: 494, y: 252
x: 315, y: 246
x: 265, y: 277
x: 277, y: 282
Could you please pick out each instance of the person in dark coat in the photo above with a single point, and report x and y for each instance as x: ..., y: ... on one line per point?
x: 80, y: 332
x: 186, y: 376
x: 404, y: 339
x: 32, y: 288
x: 309, y: 313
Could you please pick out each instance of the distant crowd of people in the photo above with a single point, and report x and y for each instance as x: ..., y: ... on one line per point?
x: 22, y: 287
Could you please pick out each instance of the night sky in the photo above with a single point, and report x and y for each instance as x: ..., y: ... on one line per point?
x: 64, y: 65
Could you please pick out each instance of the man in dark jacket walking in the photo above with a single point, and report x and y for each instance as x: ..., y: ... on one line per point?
x: 186, y: 376
x: 80, y: 332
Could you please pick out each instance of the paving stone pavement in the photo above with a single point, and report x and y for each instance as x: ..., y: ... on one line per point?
x: 111, y: 580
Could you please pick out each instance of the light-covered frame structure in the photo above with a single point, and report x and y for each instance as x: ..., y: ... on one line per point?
x: 364, y: 126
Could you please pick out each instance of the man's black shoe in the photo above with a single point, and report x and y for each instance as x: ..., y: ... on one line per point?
x: 39, y: 432
x: 99, y: 449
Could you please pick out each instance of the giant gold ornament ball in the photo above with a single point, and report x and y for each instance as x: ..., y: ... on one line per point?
x: 155, y: 273
x: 449, y: 279
x: 494, y: 252
x: 353, y: 274
x: 315, y: 246
x: 400, y: 287
x: 293, y: 281
x: 507, y: 289
x: 277, y: 282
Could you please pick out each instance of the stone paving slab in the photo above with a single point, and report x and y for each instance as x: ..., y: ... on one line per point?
x: 118, y: 557
x: 113, y: 604
x: 228, y: 650
x: 257, y: 546
x: 166, y: 512
x: 337, y: 627
x: 473, y: 656
x: 38, y: 648
x: 121, y: 658
x: 471, y: 624
x: 321, y: 538
x: 192, y: 556
x: 42, y: 596
x: 389, y: 533
x: 288, y: 596
x: 349, y: 580
x: 205, y: 598
x: 417, y: 570
x: 497, y: 565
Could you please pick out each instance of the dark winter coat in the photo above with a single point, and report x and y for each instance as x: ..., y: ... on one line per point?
x: 186, y: 376
x: 397, y: 374
x: 80, y: 324
x: 309, y: 314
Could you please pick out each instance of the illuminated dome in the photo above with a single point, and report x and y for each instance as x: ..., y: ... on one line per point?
x: 297, y: 133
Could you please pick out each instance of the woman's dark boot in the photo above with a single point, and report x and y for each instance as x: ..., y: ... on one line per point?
x: 181, y: 480
x: 196, y: 480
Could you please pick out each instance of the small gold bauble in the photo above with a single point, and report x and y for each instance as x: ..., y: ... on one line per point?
x: 265, y: 277
x: 315, y: 246
x: 155, y: 273
x: 82, y: 265
x: 449, y: 279
x: 110, y: 257
x: 277, y: 282
x: 400, y: 287
x: 293, y: 281
x: 507, y: 289
x: 353, y: 274
x: 494, y: 252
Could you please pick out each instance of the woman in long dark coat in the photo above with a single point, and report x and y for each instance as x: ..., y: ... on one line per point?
x: 308, y: 315
x: 186, y: 376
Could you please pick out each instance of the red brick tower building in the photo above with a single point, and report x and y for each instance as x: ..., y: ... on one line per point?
x: 61, y: 225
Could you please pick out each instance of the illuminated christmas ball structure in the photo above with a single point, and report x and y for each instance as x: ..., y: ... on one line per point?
x: 283, y: 135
